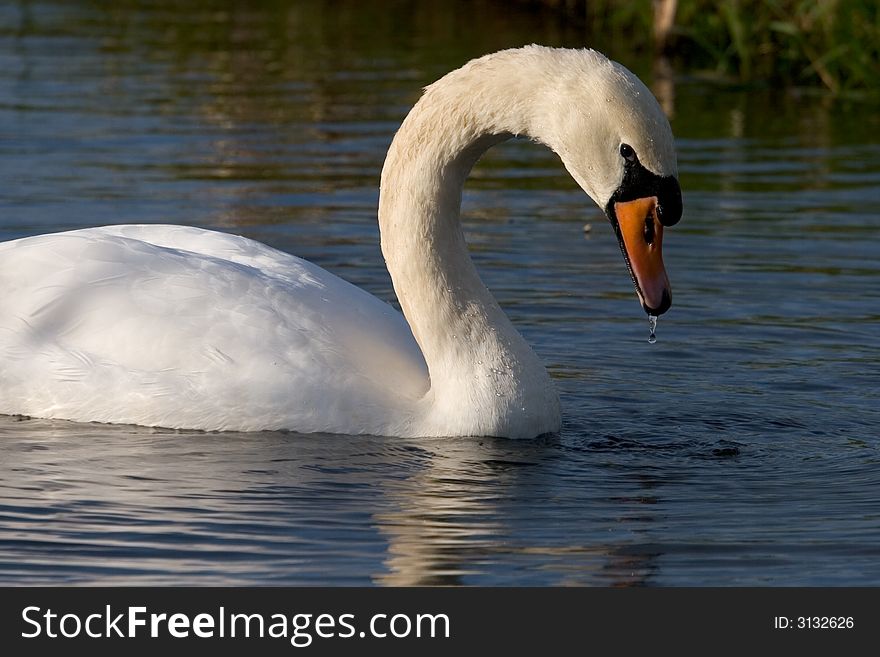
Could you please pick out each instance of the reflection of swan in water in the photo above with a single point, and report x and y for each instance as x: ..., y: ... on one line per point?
x: 186, y: 328
x: 443, y: 522
x: 449, y: 523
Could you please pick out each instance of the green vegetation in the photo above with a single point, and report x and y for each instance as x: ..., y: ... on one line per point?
x: 835, y: 43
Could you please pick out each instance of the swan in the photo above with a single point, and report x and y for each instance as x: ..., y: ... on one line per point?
x: 184, y: 328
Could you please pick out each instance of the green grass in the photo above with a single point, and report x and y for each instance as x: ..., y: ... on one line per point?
x: 835, y: 43
x: 830, y: 43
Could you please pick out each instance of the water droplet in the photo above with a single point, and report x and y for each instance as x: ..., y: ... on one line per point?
x: 652, y: 321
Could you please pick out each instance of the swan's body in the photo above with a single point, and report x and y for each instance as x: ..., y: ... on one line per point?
x: 182, y: 327
x: 186, y: 328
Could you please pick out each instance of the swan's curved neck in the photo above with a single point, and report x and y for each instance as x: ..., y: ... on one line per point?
x: 481, y: 369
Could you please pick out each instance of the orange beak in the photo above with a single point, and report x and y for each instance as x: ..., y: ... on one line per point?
x: 640, y: 234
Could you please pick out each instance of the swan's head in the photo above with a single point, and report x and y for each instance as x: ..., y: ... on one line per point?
x: 616, y: 142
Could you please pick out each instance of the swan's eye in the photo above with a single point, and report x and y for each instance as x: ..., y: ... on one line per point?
x: 627, y: 153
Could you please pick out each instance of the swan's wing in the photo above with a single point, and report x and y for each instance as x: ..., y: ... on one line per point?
x: 182, y: 327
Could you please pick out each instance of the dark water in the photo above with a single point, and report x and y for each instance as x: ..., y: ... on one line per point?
x: 740, y: 449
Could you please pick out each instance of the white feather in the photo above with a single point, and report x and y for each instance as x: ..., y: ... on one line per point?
x: 182, y: 327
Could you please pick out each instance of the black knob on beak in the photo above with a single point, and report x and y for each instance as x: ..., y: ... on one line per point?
x: 669, y: 201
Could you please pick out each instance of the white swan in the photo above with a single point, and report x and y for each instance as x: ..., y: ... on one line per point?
x: 186, y: 328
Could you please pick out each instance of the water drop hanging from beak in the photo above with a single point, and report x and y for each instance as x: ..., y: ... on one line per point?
x: 652, y: 321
